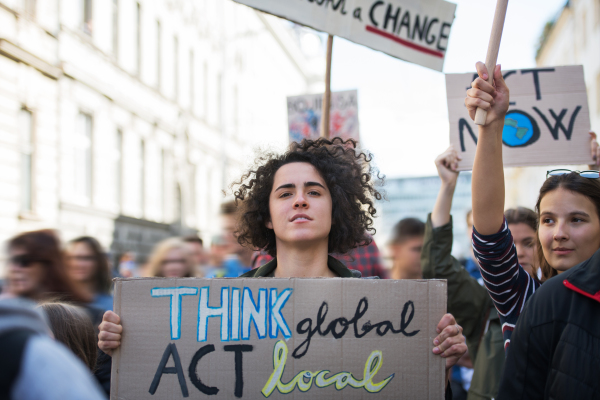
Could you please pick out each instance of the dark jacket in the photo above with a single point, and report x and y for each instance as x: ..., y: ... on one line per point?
x: 472, y: 307
x: 334, y: 265
x: 555, y: 347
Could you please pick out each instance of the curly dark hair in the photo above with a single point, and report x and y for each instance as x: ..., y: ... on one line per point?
x: 350, y: 178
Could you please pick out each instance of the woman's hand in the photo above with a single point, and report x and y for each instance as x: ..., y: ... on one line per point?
x: 109, y: 337
x: 450, y: 343
x: 447, y: 165
x: 492, y: 98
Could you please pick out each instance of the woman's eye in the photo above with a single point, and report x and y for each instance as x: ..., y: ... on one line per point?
x: 284, y: 195
x: 313, y: 193
x: 577, y: 219
x: 547, y: 221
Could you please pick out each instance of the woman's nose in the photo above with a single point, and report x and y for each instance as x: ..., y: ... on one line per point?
x: 300, y: 202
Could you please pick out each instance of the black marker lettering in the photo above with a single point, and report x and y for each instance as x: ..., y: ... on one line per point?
x: 536, y: 79
x: 462, y: 124
x: 405, y: 22
x: 239, y: 377
x: 388, y: 17
x: 431, y: 39
x: 443, y: 36
x: 381, y: 328
x: 209, y: 390
x: 171, y: 350
x: 558, y: 122
x: 356, y: 14
x: 419, y: 28
x: 372, y: 12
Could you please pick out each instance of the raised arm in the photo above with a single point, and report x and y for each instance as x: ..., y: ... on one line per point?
x: 446, y: 164
x: 488, y: 173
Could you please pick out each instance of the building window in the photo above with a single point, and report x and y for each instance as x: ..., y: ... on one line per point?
x: 598, y: 92
x: 192, y: 83
x: 158, y: 54
x: 176, y: 68
x: 27, y: 147
x: 83, y: 157
x: 29, y: 8
x: 115, y: 28
x: 205, y: 88
x: 118, y: 167
x: 142, y: 166
x: 87, y: 16
x: 138, y: 37
x: 162, y: 183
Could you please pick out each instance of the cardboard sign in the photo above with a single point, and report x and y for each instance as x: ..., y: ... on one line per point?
x: 415, y: 31
x: 547, y: 123
x: 278, y: 339
x: 304, y: 116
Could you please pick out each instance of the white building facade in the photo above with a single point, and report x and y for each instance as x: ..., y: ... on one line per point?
x: 125, y: 120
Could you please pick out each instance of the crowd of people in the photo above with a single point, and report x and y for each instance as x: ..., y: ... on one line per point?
x: 514, y: 328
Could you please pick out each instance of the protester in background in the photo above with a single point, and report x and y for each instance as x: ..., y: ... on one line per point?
x: 127, y: 265
x: 198, y: 255
x: 470, y: 263
x: 239, y: 258
x: 171, y: 258
x: 35, y: 367
x: 554, y: 353
x: 468, y: 300
x: 405, y: 247
x: 315, y: 199
x: 71, y: 326
x: 89, y: 269
x: 36, y: 269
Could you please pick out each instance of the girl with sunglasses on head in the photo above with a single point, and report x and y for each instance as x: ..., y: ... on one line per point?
x: 300, y: 206
x: 554, y: 350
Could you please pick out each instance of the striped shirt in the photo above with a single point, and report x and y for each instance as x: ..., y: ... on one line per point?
x: 507, y: 282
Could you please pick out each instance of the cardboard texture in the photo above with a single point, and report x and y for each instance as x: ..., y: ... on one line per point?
x: 275, y: 338
x: 547, y: 123
x: 304, y: 116
x: 415, y: 31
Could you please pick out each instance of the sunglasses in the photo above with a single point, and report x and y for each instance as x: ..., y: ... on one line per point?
x: 23, y: 261
x: 584, y: 174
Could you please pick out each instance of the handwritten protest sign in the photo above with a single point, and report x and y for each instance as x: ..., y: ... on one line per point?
x: 278, y: 338
x: 547, y: 122
x: 415, y: 31
x: 304, y: 116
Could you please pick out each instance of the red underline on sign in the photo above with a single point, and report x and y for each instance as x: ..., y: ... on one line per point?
x: 405, y: 42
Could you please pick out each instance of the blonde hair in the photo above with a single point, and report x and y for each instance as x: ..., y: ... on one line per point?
x: 72, y: 326
x: 160, y: 251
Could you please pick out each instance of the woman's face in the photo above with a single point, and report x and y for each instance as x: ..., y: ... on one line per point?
x: 300, y: 205
x: 81, y: 262
x: 174, y: 265
x: 25, y: 275
x: 524, y: 238
x: 569, y: 228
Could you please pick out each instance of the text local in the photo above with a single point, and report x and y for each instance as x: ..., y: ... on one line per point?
x: 235, y: 320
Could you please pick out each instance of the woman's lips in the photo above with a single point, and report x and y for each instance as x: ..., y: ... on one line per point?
x: 561, y: 251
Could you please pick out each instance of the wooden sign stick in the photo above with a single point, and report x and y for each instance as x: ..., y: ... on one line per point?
x: 327, y: 94
x: 492, y: 53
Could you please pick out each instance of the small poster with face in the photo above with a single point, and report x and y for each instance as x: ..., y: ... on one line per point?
x: 324, y: 338
x: 304, y: 116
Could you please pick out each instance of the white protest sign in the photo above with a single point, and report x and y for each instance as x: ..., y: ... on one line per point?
x: 415, y: 31
x: 278, y: 339
x: 304, y: 116
x: 547, y: 122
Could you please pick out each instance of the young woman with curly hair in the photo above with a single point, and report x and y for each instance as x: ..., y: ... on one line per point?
x: 312, y: 200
